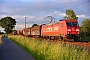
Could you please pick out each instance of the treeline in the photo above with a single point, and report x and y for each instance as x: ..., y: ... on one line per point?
x: 85, y: 29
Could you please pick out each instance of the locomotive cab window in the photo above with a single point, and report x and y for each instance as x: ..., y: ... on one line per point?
x: 72, y: 24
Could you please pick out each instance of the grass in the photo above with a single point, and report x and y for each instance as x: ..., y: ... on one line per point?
x: 46, y: 50
x: 0, y: 40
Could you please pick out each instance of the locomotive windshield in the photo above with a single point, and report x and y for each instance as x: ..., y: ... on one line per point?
x: 72, y: 24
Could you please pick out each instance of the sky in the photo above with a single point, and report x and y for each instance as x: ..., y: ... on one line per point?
x: 36, y: 11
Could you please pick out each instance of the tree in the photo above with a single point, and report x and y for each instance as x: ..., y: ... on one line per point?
x: 8, y: 23
x: 34, y: 25
x: 85, y: 27
x: 70, y: 15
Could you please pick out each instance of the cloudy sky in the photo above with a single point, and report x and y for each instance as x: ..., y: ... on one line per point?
x: 37, y: 10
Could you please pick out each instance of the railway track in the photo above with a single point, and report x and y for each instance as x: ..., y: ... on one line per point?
x: 78, y: 42
x: 83, y: 44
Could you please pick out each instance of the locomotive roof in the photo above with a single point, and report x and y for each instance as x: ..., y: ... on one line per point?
x: 69, y: 20
x: 62, y: 20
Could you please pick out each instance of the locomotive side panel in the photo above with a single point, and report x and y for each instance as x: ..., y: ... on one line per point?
x: 63, y: 28
x: 57, y: 29
x: 51, y: 30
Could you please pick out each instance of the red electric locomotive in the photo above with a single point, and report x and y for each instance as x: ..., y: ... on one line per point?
x: 64, y: 29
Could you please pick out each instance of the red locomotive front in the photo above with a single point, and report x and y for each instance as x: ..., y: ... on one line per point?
x: 62, y: 29
x: 73, y: 29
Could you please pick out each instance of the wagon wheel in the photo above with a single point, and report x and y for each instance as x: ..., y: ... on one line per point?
x: 61, y: 38
x: 56, y: 37
x: 75, y: 39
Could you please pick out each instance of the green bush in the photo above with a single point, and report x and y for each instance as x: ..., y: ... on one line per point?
x: 85, y: 36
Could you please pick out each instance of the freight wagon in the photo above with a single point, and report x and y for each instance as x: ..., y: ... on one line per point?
x: 14, y: 32
x: 28, y: 32
x: 20, y: 32
x: 36, y: 31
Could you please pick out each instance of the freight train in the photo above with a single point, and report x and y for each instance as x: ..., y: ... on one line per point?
x: 63, y: 30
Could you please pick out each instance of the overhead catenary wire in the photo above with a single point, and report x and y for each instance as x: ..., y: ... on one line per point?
x: 66, y: 5
x: 62, y: 9
x: 84, y: 10
x: 81, y: 4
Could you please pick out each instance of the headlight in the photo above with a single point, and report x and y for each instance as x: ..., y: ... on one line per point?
x: 77, y: 29
x: 77, y: 32
x: 68, y: 32
x: 69, y: 29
